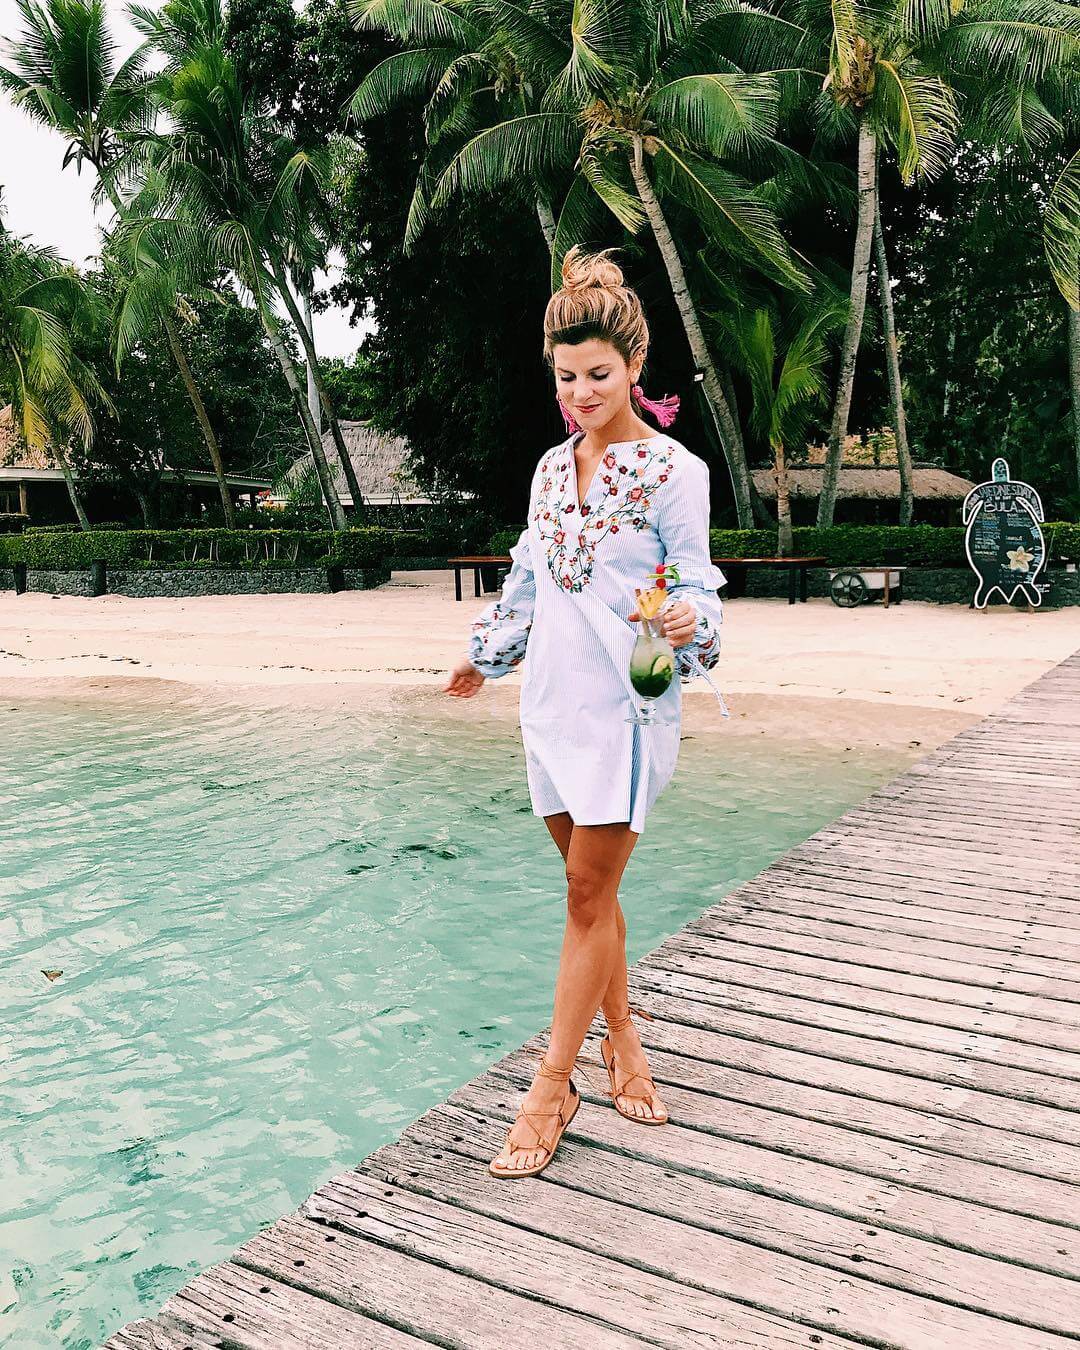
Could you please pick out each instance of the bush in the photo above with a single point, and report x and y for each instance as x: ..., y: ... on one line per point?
x: 502, y: 541
x: 862, y: 545
x: 252, y: 548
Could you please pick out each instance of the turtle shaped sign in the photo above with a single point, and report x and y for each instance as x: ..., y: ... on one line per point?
x: 1004, y: 539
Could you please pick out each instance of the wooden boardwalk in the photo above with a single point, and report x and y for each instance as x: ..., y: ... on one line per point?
x: 871, y: 1056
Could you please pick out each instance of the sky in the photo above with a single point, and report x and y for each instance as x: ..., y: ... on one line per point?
x: 53, y: 207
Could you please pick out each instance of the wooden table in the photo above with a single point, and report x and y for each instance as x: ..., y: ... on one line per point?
x: 797, y: 568
x: 477, y: 563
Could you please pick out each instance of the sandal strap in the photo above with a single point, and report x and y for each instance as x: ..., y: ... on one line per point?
x: 621, y: 1023
x: 542, y: 1139
x: 559, y: 1075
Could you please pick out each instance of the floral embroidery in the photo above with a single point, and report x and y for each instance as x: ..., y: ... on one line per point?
x: 705, y: 645
x: 486, y: 649
x: 571, y: 549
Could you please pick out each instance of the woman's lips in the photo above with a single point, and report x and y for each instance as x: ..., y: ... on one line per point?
x: 589, y: 408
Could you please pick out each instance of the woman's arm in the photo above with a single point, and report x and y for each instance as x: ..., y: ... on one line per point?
x: 500, y: 633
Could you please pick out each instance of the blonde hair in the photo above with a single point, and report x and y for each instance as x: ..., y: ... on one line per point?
x: 592, y: 302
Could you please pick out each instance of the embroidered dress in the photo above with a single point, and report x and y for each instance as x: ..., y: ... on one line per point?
x: 566, y: 600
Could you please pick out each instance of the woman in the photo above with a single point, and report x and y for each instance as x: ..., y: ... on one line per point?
x: 606, y: 506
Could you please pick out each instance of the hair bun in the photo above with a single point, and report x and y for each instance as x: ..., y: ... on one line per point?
x: 582, y: 271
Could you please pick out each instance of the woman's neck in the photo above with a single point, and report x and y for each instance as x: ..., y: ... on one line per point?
x: 619, y: 430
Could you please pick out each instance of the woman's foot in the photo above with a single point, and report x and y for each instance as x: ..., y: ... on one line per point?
x: 633, y: 1090
x: 531, y: 1141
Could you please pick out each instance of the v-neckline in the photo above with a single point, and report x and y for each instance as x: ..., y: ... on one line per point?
x: 580, y: 502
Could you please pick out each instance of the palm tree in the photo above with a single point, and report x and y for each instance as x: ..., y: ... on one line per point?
x: 63, y: 75
x: 784, y: 363
x: 225, y: 175
x: 878, y: 87
x: 182, y: 30
x: 42, y: 304
x: 635, y: 106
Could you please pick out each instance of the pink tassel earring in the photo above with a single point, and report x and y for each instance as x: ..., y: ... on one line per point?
x: 664, y: 410
x: 567, y: 416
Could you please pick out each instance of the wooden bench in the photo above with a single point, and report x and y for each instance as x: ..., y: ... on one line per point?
x: 479, y: 565
x: 797, y: 568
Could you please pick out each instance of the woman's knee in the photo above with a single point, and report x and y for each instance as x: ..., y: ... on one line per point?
x: 590, y: 898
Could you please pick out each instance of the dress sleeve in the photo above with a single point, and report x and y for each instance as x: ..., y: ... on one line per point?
x: 683, y: 526
x: 500, y: 633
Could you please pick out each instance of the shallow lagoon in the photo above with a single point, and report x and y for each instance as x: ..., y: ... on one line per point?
x: 283, y: 935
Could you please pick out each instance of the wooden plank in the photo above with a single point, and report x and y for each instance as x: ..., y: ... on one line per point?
x: 160, y: 1334
x: 543, y: 1291
x: 855, y: 1149
x: 816, y: 1003
x: 915, y: 921
x: 690, y: 1272
x: 867, y: 893
x: 788, y: 1051
x: 714, y: 961
x: 344, y: 1270
x: 993, y: 955
x: 840, y: 881
x: 919, y: 1266
x: 874, y: 1201
x: 247, y: 1310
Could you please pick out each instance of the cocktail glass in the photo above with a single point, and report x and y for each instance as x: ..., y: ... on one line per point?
x: 652, y: 668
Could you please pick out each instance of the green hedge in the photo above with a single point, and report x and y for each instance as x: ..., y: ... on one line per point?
x: 253, y: 548
x: 862, y: 545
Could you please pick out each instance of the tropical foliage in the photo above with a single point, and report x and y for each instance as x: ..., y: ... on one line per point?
x: 766, y: 166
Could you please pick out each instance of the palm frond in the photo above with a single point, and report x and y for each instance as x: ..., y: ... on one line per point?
x: 1017, y: 39
x: 717, y: 113
x: 1061, y: 231
x: 519, y: 149
x: 611, y: 182
x: 732, y: 214
x: 581, y: 221
x: 428, y: 22
x: 918, y: 115
x: 1015, y: 115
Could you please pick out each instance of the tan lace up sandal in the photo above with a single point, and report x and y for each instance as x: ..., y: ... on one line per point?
x: 649, y: 1096
x: 562, y: 1117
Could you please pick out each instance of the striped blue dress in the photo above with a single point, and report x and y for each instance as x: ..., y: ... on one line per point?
x: 565, y: 602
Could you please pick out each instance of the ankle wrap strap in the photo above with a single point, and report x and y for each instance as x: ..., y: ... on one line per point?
x: 560, y: 1075
x: 621, y: 1023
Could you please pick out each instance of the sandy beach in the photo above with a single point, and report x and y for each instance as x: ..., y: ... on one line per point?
x: 915, y: 673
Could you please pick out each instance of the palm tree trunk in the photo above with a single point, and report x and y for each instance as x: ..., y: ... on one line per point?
x: 273, y: 331
x: 763, y: 517
x: 207, y: 430
x: 892, y: 366
x: 726, y: 427
x: 860, y: 273
x: 785, y: 544
x: 547, y: 222
x: 1074, y: 382
x: 73, y: 491
x: 308, y: 343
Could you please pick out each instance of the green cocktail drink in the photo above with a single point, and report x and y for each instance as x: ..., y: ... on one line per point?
x: 652, y: 662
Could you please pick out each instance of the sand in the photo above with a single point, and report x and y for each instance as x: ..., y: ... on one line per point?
x: 912, y: 675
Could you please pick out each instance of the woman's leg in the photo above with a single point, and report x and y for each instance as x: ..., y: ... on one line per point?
x: 616, y: 1000
x: 595, y: 860
x: 630, y: 1057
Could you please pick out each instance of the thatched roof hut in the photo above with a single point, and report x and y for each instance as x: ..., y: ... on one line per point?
x: 381, y: 464
x: 865, y: 489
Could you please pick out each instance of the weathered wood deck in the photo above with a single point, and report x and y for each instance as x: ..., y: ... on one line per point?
x: 871, y: 1056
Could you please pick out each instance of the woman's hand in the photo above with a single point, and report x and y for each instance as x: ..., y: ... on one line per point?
x: 464, y: 681
x: 677, y: 623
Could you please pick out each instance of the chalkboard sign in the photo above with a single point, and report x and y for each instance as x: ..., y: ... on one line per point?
x: 1004, y: 539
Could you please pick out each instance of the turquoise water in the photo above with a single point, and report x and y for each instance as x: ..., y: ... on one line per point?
x: 283, y: 935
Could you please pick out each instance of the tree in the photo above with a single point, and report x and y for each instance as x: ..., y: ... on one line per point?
x: 620, y: 86
x: 43, y: 307
x: 783, y: 359
x: 63, y: 75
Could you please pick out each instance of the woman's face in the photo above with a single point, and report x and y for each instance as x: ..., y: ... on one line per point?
x: 593, y: 380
